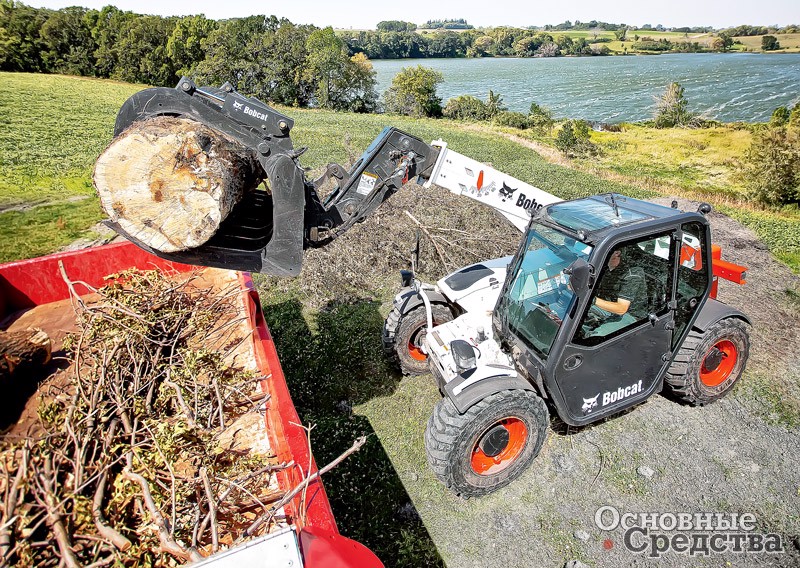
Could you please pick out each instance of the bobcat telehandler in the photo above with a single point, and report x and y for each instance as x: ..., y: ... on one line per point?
x: 608, y: 299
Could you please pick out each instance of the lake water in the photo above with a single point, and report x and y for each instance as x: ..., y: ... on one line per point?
x: 723, y: 86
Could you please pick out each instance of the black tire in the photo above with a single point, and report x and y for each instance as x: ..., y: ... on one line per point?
x: 703, y: 370
x: 453, y: 440
x: 403, y: 335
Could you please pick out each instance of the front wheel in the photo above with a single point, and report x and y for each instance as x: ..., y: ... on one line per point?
x: 490, y: 445
x: 709, y: 363
x: 404, y: 333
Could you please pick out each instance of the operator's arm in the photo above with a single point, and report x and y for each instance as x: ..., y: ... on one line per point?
x: 619, y: 306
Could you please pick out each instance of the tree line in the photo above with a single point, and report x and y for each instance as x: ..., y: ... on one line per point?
x: 494, y: 42
x: 265, y: 56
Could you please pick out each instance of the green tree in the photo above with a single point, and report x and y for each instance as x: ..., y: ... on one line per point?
x: 228, y: 54
x: 512, y: 119
x: 67, y: 43
x: 343, y: 83
x: 466, y: 107
x: 727, y: 41
x: 185, y: 44
x: 483, y: 46
x: 395, y: 26
x: 772, y: 166
x: 262, y: 56
x: 672, y: 109
x: 359, y: 82
x: 770, y: 43
x: 21, y: 46
x: 540, y: 118
x: 142, y: 52
x: 327, y: 59
x: 494, y: 104
x: 621, y: 33
x: 573, y: 139
x: 413, y: 92
x: 108, y: 25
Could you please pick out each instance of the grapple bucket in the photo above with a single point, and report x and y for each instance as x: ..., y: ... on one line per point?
x: 267, y: 231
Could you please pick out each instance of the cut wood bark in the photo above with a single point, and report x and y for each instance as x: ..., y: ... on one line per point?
x: 23, y: 351
x: 169, y: 182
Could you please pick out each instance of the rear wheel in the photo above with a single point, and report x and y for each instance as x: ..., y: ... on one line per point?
x: 709, y: 363
x: 488, y: 446
x: 403, y: 335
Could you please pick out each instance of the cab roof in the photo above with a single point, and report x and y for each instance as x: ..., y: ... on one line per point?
x: 592, y: 218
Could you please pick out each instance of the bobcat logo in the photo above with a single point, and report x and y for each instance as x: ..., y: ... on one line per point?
x: 237, y: 105
x: 506, y: 192
x: 589, y: 404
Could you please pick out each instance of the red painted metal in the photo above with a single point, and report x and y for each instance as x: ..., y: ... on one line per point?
x: 725, y: 270
x: 36, y: 281
x: 331, y: 550
x: 28, y: 283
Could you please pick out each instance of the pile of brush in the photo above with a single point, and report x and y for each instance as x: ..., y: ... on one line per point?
x: 127, y: 465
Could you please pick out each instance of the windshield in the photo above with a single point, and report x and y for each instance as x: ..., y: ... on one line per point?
x: 538, y: 298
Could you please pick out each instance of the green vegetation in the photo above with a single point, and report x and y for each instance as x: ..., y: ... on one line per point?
x: 54, y: 129
x: 703, y: 160
x: 395, y: 26
x: 47, y: 162
x: 274, y: 59
x: 770, y: 43
x: 467, y: 107
x: 413, y: 92
x: 332, y: 357
x: 573, y: 139
x: 459, y: 24
x: 772, y: 165
x: 672, y: 109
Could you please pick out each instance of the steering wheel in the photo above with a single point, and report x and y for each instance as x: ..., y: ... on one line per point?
x: 549, y: 312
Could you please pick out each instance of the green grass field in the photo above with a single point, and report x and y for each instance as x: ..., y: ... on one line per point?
x: 53, y: 130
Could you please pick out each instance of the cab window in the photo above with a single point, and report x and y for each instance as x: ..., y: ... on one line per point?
x: 634, y: 282
x: 692, y: 277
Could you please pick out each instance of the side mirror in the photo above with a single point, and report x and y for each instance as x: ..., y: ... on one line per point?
x: 579, y: 273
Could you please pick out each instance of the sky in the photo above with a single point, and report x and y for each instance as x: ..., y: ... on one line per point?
x: 364, y: 14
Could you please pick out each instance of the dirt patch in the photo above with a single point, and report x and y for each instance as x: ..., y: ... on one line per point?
x: 27, y: 206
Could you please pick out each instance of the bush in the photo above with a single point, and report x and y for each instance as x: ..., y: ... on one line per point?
x: 770, y: 43
x: 413, y: 92
x: 540, y: 118
x: 772, y: 166
x: 672, y: 109
x: 494, y: 104
x: 466, y: 107
x: 512, y: 119
x: 794, y: 116
x: 573, y: 139
x: 780, y: 117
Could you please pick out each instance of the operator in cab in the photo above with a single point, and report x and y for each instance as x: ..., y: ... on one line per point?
x: 619, y: 295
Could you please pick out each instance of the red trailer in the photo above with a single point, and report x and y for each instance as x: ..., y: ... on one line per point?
x: 34, y: 290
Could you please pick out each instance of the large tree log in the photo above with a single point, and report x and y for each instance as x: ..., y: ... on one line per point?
x: 23, y: 351
x: 169, y: 182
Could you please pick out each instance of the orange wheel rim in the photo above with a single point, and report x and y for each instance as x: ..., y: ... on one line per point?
x: 484, y: 463
x: 718, y: 364
x: 415, y: 343
x: 415, y: 352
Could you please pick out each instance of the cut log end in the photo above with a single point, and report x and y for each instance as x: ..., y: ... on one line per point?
x: 23, y: 351
x: 169, y: 182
